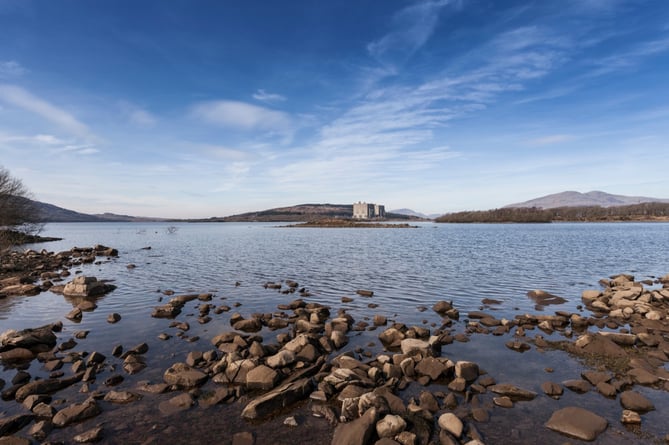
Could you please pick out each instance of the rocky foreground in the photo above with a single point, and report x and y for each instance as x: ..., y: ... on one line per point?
x: 269, y: 364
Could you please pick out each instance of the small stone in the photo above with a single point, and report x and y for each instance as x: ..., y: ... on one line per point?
x: 290, y: 421
x: 390, y: 426
x: 113, y: 318
x: 630, y: 417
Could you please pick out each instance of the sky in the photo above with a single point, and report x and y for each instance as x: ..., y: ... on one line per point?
x: 195, y: 109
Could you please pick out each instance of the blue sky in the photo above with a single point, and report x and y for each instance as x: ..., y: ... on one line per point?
x: 209, y: 108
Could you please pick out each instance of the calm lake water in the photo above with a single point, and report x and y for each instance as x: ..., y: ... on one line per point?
x: 406, y: 268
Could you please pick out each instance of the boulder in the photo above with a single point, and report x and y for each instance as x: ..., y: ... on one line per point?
x: 411, y: 346
x: 577, y: 422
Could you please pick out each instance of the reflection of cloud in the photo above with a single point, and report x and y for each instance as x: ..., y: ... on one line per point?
x: 21, y: 98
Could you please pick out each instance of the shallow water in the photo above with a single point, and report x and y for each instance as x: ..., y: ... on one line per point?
x: 406, y: 269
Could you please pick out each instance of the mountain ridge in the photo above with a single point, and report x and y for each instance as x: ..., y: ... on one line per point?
x: 578, y: 199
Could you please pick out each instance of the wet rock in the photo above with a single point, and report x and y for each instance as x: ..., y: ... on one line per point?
x: 451, y: 423
x: 365, y: 293
x: 113, y: 318
x: 606, y: 389
x: 28, y: 338
x: 166, y: 311
x: 467, y: 370
x: 243, y: 438
x: 219, y: 395
x: 182, y: 375
x: 552, y: 389
x: 46, y: 386
x: 248, y: 325
x: 411, y: 346
x: 504, y: 402
x: 76, y: 413
x: 177, y: 403
x: 512, y: 391
x: 577, y: 422
x: 83, y: 286
x: 357, y: 432
x: 87, y: 306
x: 90, y: 436
x: 281, y: 359
x: 577, y: 385
x: 543, y: 298
x: 12, y: 424
x: 121, y: 397
x: 634, y: 401
x: 133, y: 364
x: 595, y: 377
x: 280, y: 397
x: 390, y: 426
x: 17, y: 354
x: 40, y: 430
x: 262, y: 377
x: 643, y: 377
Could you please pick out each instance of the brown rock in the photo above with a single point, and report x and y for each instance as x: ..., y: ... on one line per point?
x: 577, y: 422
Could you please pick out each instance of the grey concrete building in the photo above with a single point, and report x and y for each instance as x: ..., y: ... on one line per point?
x: 363, y: 210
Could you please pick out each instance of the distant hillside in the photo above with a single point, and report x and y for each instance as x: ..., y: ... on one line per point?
x: 409, y: 212
x: 576, y: 199
x: 647, y: 211
x: 302, y: 212
x: 52, y: 213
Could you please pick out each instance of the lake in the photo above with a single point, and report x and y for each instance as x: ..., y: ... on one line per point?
x: 408, y: 270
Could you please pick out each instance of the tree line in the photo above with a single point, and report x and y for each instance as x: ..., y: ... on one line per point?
x: 19, y: 217
x: 648, y: 211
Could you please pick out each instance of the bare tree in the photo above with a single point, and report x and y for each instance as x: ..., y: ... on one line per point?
x: 18, y: 214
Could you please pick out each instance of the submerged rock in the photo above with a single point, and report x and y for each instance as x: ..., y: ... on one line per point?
x: 577, y: 422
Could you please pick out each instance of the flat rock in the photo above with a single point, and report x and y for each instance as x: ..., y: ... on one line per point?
x: 182, y: 375
x: 76, y: 413
x: 262, y: 377
x: 634, y: 401
x: 512, y: 391
x: 90, y: 436
x: 577, y: 422
x: 280, y: 397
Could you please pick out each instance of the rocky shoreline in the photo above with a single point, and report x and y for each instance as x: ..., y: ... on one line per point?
x: 304, y: 364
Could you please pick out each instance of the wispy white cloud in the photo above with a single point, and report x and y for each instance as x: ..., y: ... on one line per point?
x: 630, y: 58
x: 19, y: 97
x: 137, y: 115
x: 264, y: 96
x: 11, y: 68
x: 411, y: 28
x: 244, y: 116
x: 551, y: 139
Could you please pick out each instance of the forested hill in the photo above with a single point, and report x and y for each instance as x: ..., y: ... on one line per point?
x: 650, y: 211
x: 302, y: 212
